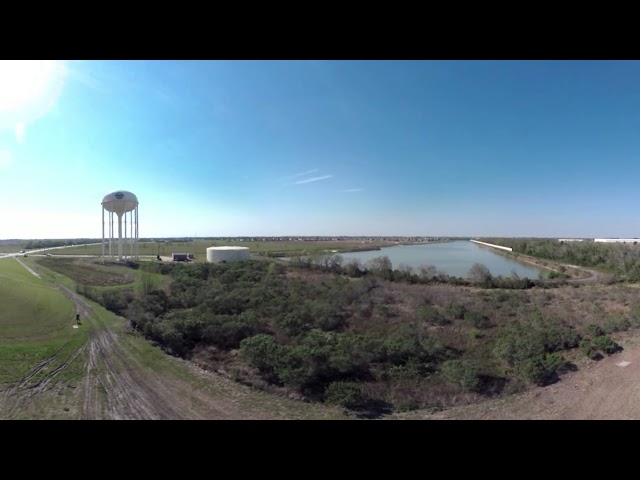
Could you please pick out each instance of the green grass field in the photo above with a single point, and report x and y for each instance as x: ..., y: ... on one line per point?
x: 36, y: 321
x: 10, y: 248
x: 86, y: 271
x: 31, y: 308
x: 199, y: 247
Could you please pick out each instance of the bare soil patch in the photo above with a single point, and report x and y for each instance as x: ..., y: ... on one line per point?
x: 86, y: 272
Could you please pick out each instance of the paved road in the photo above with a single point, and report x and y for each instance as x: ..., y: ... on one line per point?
x: 29, y: 252
x: 38, y: 251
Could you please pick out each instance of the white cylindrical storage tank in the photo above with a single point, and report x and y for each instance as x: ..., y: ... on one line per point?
x: 227, y: 254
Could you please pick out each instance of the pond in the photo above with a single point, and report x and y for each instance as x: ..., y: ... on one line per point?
x: 453, y: 258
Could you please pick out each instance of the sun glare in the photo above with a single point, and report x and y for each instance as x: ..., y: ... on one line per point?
x: 28, y: 89
x: 22, y: 81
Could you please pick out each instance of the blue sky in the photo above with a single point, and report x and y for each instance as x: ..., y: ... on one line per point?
x: 227, y: 148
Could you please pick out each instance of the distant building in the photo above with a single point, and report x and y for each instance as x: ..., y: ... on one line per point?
x: 570, y: 239
x: 179, y: 257
x: 617, y: 240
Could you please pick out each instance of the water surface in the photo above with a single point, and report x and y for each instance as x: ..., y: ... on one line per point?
x: 453, y: 258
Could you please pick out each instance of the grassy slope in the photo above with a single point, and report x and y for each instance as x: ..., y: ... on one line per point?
x: 35, y: 323
x: 31, y: 308
x: 17, y: 289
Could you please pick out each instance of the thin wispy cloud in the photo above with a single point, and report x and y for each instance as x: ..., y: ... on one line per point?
x: 303, y: 174
x: 312, y: 179
x: 350, y: 190
x: 298, y: 177
x: 20, y: 131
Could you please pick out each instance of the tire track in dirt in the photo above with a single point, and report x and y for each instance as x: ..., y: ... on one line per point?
x: 82, y: 307
x: 126, y: 393
x: 111, y: 388
x: 21, y: 393
x: 23, y: 381
x: 117, y: 386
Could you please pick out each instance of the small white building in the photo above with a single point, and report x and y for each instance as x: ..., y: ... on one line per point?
x: 570, y: 239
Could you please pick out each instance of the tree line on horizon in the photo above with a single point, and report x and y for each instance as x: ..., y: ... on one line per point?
x: 622, y: 260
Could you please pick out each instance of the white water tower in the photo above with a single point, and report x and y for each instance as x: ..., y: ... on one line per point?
x: 121, y: 202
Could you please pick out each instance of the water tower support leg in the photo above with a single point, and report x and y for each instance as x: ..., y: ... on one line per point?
x: 110, y: 233
x: 120, y: 237
x: 137, y: 238
x: 103, y: 232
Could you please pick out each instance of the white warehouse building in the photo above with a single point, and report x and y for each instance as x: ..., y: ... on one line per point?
x: 227, y: 254
x: 618, y: 240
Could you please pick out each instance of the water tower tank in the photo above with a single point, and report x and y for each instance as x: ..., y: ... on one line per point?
x: 120, y: 202
x: 227, y: 254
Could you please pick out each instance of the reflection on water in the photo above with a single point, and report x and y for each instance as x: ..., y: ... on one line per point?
x: 453, y: 258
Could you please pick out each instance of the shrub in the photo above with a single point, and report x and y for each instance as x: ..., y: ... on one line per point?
x: 261, y: 351
x: 559, y: 337
x: 456, y: 310
x: 408, y: 405
x: 408, y: 344
x: 612, y: 326
x: 292, y: 324
x: 475, y: 333
x: 431, y: 314
x: 411, y: 370
x: 461, y: 373
x: 605, y: 344
x: 588, y: 350
x: 477, y: 319
x: 525, y: 351
x: 345, y: 394
x: 480, y: 274
x: 116, y: 301
x: 542, y: 369
x: 594, y: 330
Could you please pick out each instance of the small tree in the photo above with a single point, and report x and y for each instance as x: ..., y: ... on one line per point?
x: 382, y: 267
x: 427, y: 272
x: 405, y: 269
x: 480, y: 274
x: 353, y: 268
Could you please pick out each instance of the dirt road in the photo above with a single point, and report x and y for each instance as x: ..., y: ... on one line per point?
x: 121, y: 376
